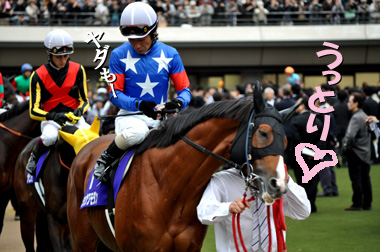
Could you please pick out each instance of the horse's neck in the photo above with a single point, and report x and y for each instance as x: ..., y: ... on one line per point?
x: 190, y: 167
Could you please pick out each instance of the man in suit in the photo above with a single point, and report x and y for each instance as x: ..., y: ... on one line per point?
x: 370, y: 107
x: 357, y: 147
x: 342, y: 115
x: 300, y: 135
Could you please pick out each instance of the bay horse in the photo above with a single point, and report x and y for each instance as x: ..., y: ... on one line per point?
x: 49, y: 217
x: 155, y: 209
x: 17, y: 129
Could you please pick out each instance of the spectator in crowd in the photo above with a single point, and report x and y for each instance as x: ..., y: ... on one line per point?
x: 327, y: 175
x: 269, y: 96
x: 100, y: 108
x: 315, y: 8
x: 287, y: 8
x: 169, y: 12
x: 337, y: 12
x: 239, y: 91
x: 350, y: 11
x: 233, y: 11
x: 5, y: 8
x: 88, y: 10
x: 374, y: 10
x: 326, y: 7
x: 209, y: 95
x: 363, y: 12
x: 248, y: 89
x: 222, y: 198
x: 370, y: 107
x: 219, y: 12
x: 357, y: 148
x: 32, y: 11
x: 72, y: 11
x: 21, y: 82
x: 102, y: 14
x: 248, y: 9
x: 18, y: 13
x: 192, y: 13
x: 300, y: 135
x: 207, y: 11
x: 293, y: 78
x: 342, y: 117
x: 180, y: 15
x: 115, y: 12
x: 59, y: 13
x: 260, y: 13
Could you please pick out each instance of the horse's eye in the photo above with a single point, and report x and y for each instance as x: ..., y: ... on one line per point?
x: 263, y: 133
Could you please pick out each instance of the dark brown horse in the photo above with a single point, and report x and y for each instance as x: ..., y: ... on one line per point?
x: 48, y: 213
x: 155, y: 209
x: 17, y: 129
x: 9, y: 92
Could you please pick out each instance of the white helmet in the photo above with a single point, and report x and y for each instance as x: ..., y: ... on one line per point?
x: 59, y: 42
x: 138, y: 20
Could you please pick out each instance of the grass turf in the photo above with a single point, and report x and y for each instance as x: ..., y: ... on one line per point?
x: 331, y: 229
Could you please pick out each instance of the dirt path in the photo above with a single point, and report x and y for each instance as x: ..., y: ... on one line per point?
x: 10, y: 238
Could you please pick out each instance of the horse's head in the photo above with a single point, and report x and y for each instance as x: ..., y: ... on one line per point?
x: 265, y: 148
x: 9, y: 92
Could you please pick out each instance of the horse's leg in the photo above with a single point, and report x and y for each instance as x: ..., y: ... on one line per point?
x: 4, y: 199
x: 59, y: 233
x: 42, y: 233
x: 28, y: 214
x: 83, y: 236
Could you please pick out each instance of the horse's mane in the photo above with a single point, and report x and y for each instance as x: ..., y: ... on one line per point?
x: 169, y: 130
x: 14, y: 111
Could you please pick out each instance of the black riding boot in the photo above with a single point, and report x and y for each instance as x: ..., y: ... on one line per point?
x: 101, y: 169
x: 38, y: 150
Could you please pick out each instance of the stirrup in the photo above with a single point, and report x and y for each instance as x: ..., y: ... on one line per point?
x: 104, y: 178
x: 31, y: 169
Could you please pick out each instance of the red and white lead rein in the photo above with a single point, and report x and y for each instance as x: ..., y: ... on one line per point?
x: 238, y: 227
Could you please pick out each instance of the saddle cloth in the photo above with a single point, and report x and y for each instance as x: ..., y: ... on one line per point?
x: 96, y: 193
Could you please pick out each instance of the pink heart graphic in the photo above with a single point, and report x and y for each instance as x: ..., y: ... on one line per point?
x: 310, y: 173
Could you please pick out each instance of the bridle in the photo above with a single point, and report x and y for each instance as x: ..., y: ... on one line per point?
x: 240, y: 161
x: 251, y: 176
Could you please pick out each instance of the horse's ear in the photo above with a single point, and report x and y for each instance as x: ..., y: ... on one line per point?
x: 286, y: 114
x: 258, y: 100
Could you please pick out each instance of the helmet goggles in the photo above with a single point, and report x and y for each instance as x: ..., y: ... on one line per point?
x: 137, y: 30
x: 62, y: 50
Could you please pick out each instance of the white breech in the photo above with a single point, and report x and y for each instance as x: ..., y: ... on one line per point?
x: 50, y: 129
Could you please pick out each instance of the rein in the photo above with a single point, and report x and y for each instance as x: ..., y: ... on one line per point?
x: 204, y: 150
x: 14, y: 132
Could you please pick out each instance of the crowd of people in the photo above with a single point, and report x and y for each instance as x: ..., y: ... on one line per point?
x: 193, y: 12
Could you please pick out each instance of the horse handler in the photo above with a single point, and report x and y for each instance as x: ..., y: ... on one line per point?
x: 143, y: 68
x: 56, y: 89
x: 262, y: 227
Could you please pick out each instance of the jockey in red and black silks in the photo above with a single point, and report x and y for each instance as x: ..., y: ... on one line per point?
x: 58, y: 93
x: 62, y: 90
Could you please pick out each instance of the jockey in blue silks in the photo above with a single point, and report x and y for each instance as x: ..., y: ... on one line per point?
x: 143, y: 68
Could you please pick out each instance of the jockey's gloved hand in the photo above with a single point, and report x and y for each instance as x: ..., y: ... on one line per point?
x: 147, y: 107
x: 175, y: 104
x: 77, y: 112
x: 59, y: 118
